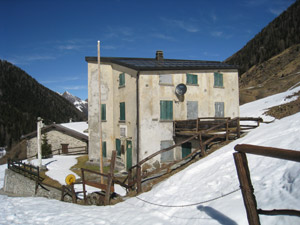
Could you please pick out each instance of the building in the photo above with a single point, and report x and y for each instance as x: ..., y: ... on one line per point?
x: 70, y: 136
x: 139, y: 102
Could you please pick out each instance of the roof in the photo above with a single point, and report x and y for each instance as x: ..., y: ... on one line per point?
x: 152, y: 64
x: 61, y: 128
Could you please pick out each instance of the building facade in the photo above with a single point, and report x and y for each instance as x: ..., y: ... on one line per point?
x: 140, y: 99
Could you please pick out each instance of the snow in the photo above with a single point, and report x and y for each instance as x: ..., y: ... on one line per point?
x: 276, y: 183
x: 77, y: 126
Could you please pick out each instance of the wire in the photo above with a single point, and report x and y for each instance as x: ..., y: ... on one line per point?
x: 188, y: 205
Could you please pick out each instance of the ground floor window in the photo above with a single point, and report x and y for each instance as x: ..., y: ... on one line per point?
x: 169, y: 155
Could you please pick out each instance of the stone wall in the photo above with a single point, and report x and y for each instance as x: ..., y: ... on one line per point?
x: 22, y: 186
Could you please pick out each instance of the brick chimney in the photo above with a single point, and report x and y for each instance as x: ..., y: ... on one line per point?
x: 159, y: 55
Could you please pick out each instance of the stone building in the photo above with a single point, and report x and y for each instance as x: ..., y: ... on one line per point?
x: 140, y: 99
x: 70, y: 135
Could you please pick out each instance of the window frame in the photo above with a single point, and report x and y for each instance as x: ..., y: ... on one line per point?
x: 192, y: 79
x: 218, y: 80
x: 164, y: 114
x: 122, y: 112
x: 121, y: 80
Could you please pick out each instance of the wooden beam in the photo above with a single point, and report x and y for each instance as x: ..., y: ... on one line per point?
x: 288, y: 212
x: 246, y: 187
x: 270, y: 152
x: 110, y: 185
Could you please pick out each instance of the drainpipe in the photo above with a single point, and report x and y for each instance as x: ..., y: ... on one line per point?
x: 137, y: 119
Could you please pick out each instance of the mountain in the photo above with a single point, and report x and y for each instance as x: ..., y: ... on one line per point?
x: 282, y: 33
x: 81, y: 105
x: 23, y: 99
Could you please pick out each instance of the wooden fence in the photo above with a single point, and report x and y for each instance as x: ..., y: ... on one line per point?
x: 245, y: 179
x: 27, y: 170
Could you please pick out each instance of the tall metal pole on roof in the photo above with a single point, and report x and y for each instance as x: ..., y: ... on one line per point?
x: 100, y: 125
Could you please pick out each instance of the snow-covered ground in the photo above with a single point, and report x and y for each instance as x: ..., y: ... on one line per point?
x: 276, y: 183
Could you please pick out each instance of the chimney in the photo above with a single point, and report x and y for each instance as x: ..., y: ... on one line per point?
x: 159, y: 55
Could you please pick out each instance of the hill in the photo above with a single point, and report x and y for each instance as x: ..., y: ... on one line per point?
x: 275, y: 75
x: 282, y: 33
x: 23, y: 99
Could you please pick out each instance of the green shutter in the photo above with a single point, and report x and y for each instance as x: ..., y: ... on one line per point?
x: 103, y: 112
x: 166, y: 110
x: 191, y: 78
x: 104, y: 148
x: 118, y: 146
x: 122, y: 111
x: 122, y: 79
x: 218, y: 77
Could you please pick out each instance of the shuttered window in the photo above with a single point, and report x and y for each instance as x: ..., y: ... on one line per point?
x: 191, y: 79
x: 169, y: 155
x: 122, y: 80
x: 166, y: 79
x: 104, y: 148
x: 166, y: 110
x: 218, y: 79
x: 103, y: 112
x: 118, y: 146
x: 219, y: 109
x: 122, y: 111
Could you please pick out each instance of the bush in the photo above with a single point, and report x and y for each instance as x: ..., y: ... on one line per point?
x: 46, y: 147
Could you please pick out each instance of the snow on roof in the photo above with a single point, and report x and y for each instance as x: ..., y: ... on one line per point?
x: 81, y: 127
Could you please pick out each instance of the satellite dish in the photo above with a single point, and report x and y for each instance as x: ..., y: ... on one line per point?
x: 70, y: 179
x: 180, y: 89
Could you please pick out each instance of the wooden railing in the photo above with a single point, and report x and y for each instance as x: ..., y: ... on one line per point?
x: 243, y: 172
x: 30, y: 171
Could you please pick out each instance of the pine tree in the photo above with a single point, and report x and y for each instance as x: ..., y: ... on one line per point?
x: 46, y: 147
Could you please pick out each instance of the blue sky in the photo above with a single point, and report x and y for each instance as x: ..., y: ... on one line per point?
x: 50, y: 38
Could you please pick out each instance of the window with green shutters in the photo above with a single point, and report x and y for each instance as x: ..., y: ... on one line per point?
x: 104, y: 148
x: 118, y: 146
x: 122, y: 111
x: 122, y: 80
x: 103, y: 112
x: 166, y: 110
x: 191, y: 79
x: 218, y: 77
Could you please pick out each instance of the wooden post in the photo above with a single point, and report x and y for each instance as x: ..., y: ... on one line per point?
x: 203, y: 153
x: 139, y: 178
x: 74, y: 199
x: 83, y: 186
x: 246, y: 187
x: 110, y: 178
x: 238, y: 128
x: 130, y: 177
x: 227, y: 130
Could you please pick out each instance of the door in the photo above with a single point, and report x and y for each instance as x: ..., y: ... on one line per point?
x: 186, y: 149
x: 118, y: 146
x: 128, y: 154
x: 192, y: 110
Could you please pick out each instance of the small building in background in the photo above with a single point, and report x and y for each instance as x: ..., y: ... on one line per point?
x: 141, y: 97
x: 64, y: 138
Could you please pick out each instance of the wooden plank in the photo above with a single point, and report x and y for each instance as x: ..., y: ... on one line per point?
x: 110, y: 185
x: 98, y: 185
x: 270, y: 152
x: 246, y: 187
x: 288, y: 212
x: 83, y: 186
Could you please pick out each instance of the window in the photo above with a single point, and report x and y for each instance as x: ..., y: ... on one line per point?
x: 169, y: 155
x: 122, y: 80
x: 166, y: 110
x: 118, y: 146
x: 103, y: 112
x: 166, y: 79
x: 218, y: 79
x: 191, y: 79
x: 186, y: 149
x: 122, y: 111
x: 219, y: 109
x: 192, y: 110
x: 104, y: 148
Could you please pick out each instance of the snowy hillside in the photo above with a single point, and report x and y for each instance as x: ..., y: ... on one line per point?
x: 276, y: 184
x: 81, y: 105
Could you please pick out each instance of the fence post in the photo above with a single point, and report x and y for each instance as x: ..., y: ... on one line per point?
x: 83, y: 186
x: 238, y: 128
x: 246, y: 187
x: 227, y: 129
x: 110, y: 177
x: 139, y: 178
x: 203, y: 153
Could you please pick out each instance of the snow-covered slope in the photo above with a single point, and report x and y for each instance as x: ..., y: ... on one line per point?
x: 276, y: 183
x: 81, y: 105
